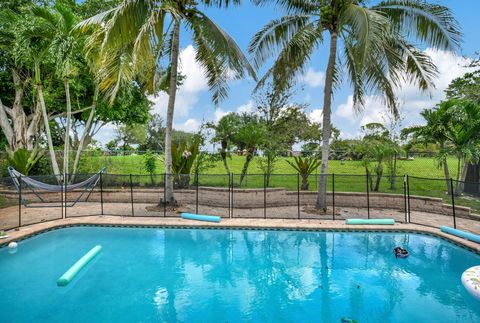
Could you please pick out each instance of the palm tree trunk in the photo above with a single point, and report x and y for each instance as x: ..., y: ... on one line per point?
x: 446, y: 172
x: 170, y: 199
x: 461, y: 183
x: 66, y: 149
x: 326, y: 125
x: 53, y: 158
x: 86, y: 131
x: 248, y: 159
x: 223, y: 154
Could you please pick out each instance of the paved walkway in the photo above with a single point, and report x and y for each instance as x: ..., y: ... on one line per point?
x: 9, y: 217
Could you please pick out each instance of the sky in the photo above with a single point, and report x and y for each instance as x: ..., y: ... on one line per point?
x: 194, y: 106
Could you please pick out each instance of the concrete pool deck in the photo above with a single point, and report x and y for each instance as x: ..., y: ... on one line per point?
x: 252, y: 223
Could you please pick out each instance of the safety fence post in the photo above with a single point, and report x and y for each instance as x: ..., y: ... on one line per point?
x: 101, y: 192
x: 408, y: 199
x: 164, y: 194
x: 333, y: 196
x: 229, y: 195
x: 233, y: 207
x: 196, y: 193
x: 368, y: 195
x: 298, y: 195
x: 453, y: 203
x: 264, y: 196
x: 405, y: 198
x: 131, y: 195
x: 65, y: 195
x: 19, y: 201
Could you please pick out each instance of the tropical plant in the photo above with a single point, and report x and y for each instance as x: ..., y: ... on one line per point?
x: 376, y: 49
x: 267, y: 163
x: 134, y: 37
x: 23, y: 160
x: 305, y: 166
x: 225, y: 130
x: 464, y: 137
x: 150, y: 163
x: 249, y: 137
x: 436, y: 130
x: 184, y: 155
x: 58, y: 26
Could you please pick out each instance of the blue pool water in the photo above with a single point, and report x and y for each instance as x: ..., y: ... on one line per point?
x: 192, y: 275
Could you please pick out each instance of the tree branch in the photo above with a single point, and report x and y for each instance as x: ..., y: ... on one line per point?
x: 59, y: 115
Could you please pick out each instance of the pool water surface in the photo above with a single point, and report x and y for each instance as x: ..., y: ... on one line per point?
x: 206, y: 275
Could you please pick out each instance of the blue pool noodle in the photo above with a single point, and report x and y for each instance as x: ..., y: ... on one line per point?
x: 370, y: 221
x: 201, y: 217
x: 75, y: 269
x: 462, y: 234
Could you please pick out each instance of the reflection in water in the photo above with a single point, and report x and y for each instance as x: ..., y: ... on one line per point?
x: 275, y: 275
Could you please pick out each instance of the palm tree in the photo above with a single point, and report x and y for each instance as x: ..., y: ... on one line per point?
x: 249, y: 137
x: 134, y: 38
x: 65, y: 48
x: 464, y: 136
x: 438, y: 125
x: 377, y: 54
x: 225, y: 131
x: 35, y: 40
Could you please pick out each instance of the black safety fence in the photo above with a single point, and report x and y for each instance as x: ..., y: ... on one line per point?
x: 407, y: 199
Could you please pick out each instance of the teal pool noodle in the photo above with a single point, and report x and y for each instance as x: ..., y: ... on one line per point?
x: 75, y: 269
x: 370, y: 221
x: 462, y: 234
x: 201, y: 217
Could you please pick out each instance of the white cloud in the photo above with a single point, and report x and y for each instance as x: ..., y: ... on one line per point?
x: 187, y: 95
x: 191, y: 125
x: 412, y: 100
x: 316, y: 115
x: 247, y: 107
x: 219, y: 114
x: 314, y: 78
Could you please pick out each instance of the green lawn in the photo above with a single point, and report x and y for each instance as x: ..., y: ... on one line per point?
x: 133, y: 164
x: 349, y: 176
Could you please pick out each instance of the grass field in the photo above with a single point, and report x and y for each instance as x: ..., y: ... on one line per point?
x: 133, y: 164
x: 426, y: 178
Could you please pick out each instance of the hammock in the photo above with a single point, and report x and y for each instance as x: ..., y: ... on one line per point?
x: 24, y: 181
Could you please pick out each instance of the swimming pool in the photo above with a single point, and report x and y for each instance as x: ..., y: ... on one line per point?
x: 205, y: 275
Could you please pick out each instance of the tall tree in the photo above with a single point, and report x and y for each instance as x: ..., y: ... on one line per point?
x: 435, y: 130
x: 225, y: 131
x: 65, y: 49
x: 134, y: 38
x: 377, y: 53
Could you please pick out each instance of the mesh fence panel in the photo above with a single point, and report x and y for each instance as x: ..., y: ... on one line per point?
x: 147, y: 193
x: 247, y: 196
x: 213, y: 195
x: 9, y: 215
x: 39, y: 205
x: 288, y: 196
x: 83, y: 201
x: 351, y: 199
x: 430, y: 202
x: 116, y: 195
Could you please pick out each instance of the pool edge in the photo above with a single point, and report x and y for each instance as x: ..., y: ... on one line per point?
x: 238, y: 224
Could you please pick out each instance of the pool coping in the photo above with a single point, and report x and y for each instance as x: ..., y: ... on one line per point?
x: 245, y: 223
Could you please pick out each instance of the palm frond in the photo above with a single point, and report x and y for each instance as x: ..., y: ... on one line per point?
x: 224, y: 46
x: 274, y: 36
x: 432, y: 24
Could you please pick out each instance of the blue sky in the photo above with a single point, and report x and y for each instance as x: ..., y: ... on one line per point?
x: 194, y: 101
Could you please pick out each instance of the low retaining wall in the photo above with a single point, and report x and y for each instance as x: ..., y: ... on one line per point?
x: 255, y: 198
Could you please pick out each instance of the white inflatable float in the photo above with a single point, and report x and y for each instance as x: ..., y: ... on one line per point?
x: 471, y: 281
